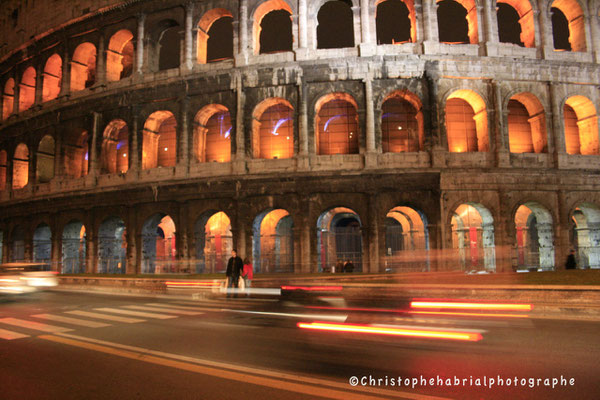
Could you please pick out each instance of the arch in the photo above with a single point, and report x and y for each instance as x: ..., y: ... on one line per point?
x: 526, y: 124
x: 17, y: 237
x: 115, y: 148
x: 524, y: 23
x: 83, y: 67
x: 395, y: 21
x: 339, y: 238
x: 273, y: 242
x: 272, y: 28
x: 214, y: 241
x: 406, y: 240
x: 168, y: 45
x: 77, y: 156
x: 335, y: 25
x: 336, y: 124
x: 112, y: 246
x: 581, y: 126
x: 212, y: 134
x: 8, y: 98
x: 457, y: 21
x: 159, y: 147
x: 273, y: 129
x: 568, y: 12
x: 586, y: 235
x: 20, y: 167
x: 466, y: 122
x: 27, y: 89
x: 473, y: 237
x: 402, y: 124
x: 42, y: 244
x: 74, y: 248
x: 52, y: 78
x: 119, y: 56
x: 534, y: 241
x: 215, y: 36
x: 159, y: 245
x: 45, y: 160
x: 3, y: 170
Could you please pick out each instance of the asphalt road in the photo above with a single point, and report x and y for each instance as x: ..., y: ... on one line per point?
x: 58, y: 345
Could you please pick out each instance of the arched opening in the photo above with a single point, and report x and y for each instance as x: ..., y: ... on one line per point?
x: 8, y: 98
x: 115, y: 148
x: 273, y: 27
x: 457, y: 21
x: 215, y: 36
x: 406, y: 240
x: 83, y: 67
x: 336, y: 124
x: 212, y: 134
x: 17, y: 253
x: 20, y: 167
x: 74, y: 248
x: 112, y: 247
x: 526, y: 125
x: 586, y: 235
x: 395, y: 22
x: 159, y: 245
x: 525, y: 18
x: 168, y: 45
x: 119, y: 56
x: 45, y: 160
x: 568, y: 26
x: 273, y: 129
x: 509, y: 29
x: 402, y: 126
x: 52, y: 78
x: 159, y: 148
x: 339, y: 239
x: 214, y: 242
x: 3, y: 170
x: 42, y: 244
x: 335, y: 25
x: 466, y: 122
x: 581, y: 126
x: 473, y: 237
x: 27, y: 89
x: 534, y: 241
x: 77, y: 156
x: 273, y: 242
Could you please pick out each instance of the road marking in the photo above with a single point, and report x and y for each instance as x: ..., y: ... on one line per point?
x: 135, y: 313
x: 248, y: 375
x: 73, y: 321
x: 37, y: 326
x: 9, y: 335
x: 180, y: 312
x: 322, y: 317
x: 175, y: 307
x: 104, y: 316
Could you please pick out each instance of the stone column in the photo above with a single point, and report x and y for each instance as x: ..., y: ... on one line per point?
x: 370, y: 157
x: 183, y: 156
x: 188, y: 40
x: 430, y: 28
x: 491, y: 28
x: 242, y: 57
x: 65, y: 88
x: 139, y: 57
x: 547, y: 42
x: 240, y: 136
x: 501, y: 123
x: 91, y: 254
x: 56, y: 257
x: 101, y: 61
x: 58, y: 156
x: 594, y: 22
x: 16, y: 108
x: 302, y: 25
x: 558, y: 144
x: 39, y: 85
x: 93, y: 171
x: 134, y: 150
x: 366, y: 48
x: 373, y: 235
x: 132, y: 244
x: 303, y: 152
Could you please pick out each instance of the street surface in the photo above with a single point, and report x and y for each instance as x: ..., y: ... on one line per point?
x: 62, y: 345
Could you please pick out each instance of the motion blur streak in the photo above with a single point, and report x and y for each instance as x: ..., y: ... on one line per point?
x: 470, y: 314
x: 467, y: 336
x: 471, y: 306
x: 192, y: 284
x: 313, y: 288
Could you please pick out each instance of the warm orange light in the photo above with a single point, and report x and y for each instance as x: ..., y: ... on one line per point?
x: 471, y: 306
x: 380, y: 330
x: 445, y: 313
x: 312, y: 288
x: 193, y: 284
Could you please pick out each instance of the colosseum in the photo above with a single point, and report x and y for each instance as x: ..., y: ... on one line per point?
x: 154, y: 136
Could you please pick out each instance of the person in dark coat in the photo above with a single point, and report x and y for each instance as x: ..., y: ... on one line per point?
x: 348, y: 267
x: 235, y: 266
x: 571, y: 261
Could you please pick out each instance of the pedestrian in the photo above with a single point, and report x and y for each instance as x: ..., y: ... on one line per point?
x: 247, y: 274
x: 339, y: 267
x: 234, y: 269
x: 348, y: 266
x: 571, y: 261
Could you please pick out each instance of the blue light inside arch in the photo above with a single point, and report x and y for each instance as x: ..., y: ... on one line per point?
x: 221, y: 127
x: 121, y: 144
x: 278, y: 124
x: 331, y: 119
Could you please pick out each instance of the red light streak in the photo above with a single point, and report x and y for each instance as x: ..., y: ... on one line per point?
x: 193, y: 284
x: 381, y: 330
x: 313, y: 288
x: 442, y: 313
x: 471, y: 306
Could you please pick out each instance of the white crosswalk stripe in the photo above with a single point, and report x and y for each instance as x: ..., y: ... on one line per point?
x: 161, y: 309
x: 9, y: 335
x: 135, y: 313
x: 72, y: 321
x: 34, y: 325
x: 178, y: 307
x: 105, y: 316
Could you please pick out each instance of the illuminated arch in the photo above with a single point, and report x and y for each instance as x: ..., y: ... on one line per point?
x: 119, y: 56
x: 586, y: 235
x: 159, y: 147
x: 3, y: 169
x: 45, y: 159
x: 74, y: 248
x: 581, y: 126
x: 575, y: 17
x: 402, y: 125
x: 466, y: 122
x: 209, y: 40
x: 526, y: 124
x: 115, y: 148
x: 406, y: 240
x: 273, y: 129
x: 52, y: 79
x: 8, y: 98
x: 335, y: 25
x: 526, y: 20
x: 42, y: 244
x: 159, y: 248
x: 77, y: 156
x: 339, y: 238
x: 263, y: 10
x: 401, y: 15
x: 83, y: 67
x: 167, y: 45
x: 534, y: 237
x: 27, y: 89
x: 447, y: 24
x: 18, y: 244
x: 473, y: 236
x: 20, y: 166
x: 213, y: 241
x: 112, y: 246
x: 212, y: 134
x: 272, y: 241
x: 336, y: 124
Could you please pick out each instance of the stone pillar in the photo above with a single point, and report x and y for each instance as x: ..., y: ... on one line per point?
x: 93, y: 171
x: 501, y: 124
x: 132, y: 243
x: 16, y: 108
x: 430, y: 28
x: 183, y: 256
x: 58, y: 156
x: 373, y: 235
x: 91, y: 253
x: 302, y: 25
x: 65, y: 88
x: 139, y: 57
x: 491, y: 28
x: 558, y: 144
x: 189, y: 38
x: 595, y: 36
x: 39, y: 84
x: 366, y: 47
x: 240, y: 135
x: 134, y: 150
x: 547, y: 41
x: 139, y: 259
x: 56, y: 257
x: 242, y: 57
x: 370, y: 156
x: 101, y: 61
x: 183, y: 156
x: 303, y: 152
